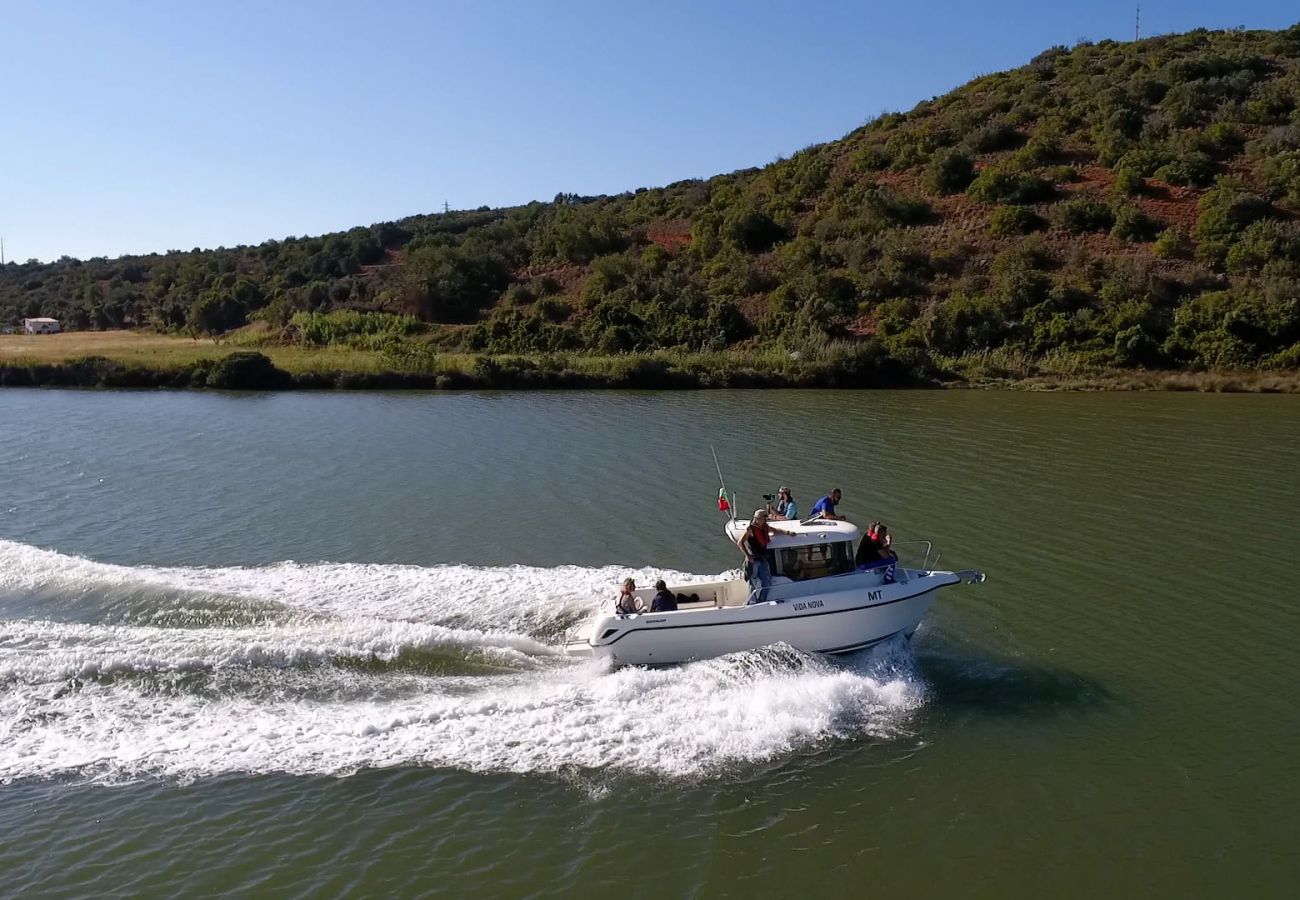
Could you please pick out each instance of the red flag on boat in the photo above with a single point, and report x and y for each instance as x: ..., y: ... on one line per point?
x: 722, y: 500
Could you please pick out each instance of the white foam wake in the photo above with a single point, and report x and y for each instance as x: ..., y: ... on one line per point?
x: 302, y: 694
x: 529, y: 599
x: 45, y: 652
x: 699, y: 719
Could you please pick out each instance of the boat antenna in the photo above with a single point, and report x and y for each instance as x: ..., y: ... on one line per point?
x: 722, y: 482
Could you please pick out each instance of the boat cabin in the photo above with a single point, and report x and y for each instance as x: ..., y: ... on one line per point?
x: 819, y: 547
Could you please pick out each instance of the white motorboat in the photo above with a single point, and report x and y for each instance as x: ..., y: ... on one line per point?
x: 819, y: 602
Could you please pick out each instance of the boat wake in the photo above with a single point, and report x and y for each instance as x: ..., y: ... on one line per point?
x: 114, y: 673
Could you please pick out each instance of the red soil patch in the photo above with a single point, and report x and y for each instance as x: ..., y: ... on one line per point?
x: 671, y: 234
x: 1175, y: 206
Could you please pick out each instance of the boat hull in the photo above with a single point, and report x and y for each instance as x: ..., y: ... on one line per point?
x: 854, y: 613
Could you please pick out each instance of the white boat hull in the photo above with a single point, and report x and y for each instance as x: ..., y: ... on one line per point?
x: 829, y: 615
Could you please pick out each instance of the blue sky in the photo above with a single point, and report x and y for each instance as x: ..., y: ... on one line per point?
x: 147, y: 126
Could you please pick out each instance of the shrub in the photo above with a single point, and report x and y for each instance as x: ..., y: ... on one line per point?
x: 1144, y: 161
x: 1131, y: 224
x: 245, y: 370
x: 1170, y: 244
x: 1128, y: 183
x: 951, y: 171
x: 1134, y: 347
x: 754, y: 231
x: 1281, y: 174
x: 1228, y: 210
x: 345, y: 325
x: 1268, y: 245
x: 872, y: 158
x: 1080, y: 214
x: 1041, y: 149
x: 1192, y: 169
x: 553, y: 308
x: 993, y: 137
x: 1000, y: 186
x: 1009, y: 220
x: 961, y: 324
x: 1222, y: 139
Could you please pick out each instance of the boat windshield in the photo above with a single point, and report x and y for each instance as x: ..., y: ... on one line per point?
x: 815, y: 560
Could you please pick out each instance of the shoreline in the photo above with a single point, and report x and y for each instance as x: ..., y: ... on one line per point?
x: 252, y: 370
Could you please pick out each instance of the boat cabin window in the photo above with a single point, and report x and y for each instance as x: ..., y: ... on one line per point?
x: 815, y: 561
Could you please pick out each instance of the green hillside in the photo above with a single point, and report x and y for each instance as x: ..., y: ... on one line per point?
x: 1113, y: 204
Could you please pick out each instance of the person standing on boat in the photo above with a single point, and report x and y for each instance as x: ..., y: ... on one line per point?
x: 753, y: 543
x: 628, y: 602
x: 825, y: 507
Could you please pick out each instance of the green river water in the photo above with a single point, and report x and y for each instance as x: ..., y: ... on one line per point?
x: 304, y: 645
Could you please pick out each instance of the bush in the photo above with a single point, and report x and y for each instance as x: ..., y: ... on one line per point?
x: 1134, y: 347
x: 1128, y: 183
x: 1281, y: 174
x: 1191, y: 169
x: 962, y: 324
x: 993, y: 137
x: 1009, y: 220
x: 245, y: 370
x: 1222, y: 139
x: 1000, y: 186
x: 1228, y: 210
x: 553, y: 309
x: 1131, y: 224
x: 872, y: 158
x: 1266, y: 245
x: 1041, y: 150
x: 347, y: 325
x: 1170, y: 244
x: 952, y: 171
x: 754, y: 231
x: 1080, y: 214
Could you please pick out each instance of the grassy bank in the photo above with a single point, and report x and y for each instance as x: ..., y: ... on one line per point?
x: 129, y: 359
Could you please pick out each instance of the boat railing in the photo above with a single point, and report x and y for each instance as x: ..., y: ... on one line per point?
x: 914, y: 551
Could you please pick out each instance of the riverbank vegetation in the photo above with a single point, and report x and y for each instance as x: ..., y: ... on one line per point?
x: 132, y: 359
x: 1109, y: 207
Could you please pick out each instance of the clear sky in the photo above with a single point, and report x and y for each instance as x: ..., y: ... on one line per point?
x: 146, y: 126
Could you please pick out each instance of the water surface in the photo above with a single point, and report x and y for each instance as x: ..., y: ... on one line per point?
x: 307, y: 642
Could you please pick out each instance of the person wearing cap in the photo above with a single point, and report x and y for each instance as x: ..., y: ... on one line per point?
x: 753, y: 543
x: 785, y: 507
x: 628, y: 602
x: 825, y: 507
x: 664, y: 599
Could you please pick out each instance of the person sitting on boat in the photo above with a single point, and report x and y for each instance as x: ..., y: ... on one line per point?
x: 825, y: 507
x: 874, y: 549
x: 785, y: 507
x: 753, y: 543
x: 664, y: 599
x: 628, y: 602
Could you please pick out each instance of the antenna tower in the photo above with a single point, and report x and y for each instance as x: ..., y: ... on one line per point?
x: 1137, y: 22
x: 446, y: 207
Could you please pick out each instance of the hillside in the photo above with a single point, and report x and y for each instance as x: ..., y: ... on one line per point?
x: 1116, y: 204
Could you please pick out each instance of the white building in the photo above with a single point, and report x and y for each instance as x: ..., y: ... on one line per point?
x: 41, y: 326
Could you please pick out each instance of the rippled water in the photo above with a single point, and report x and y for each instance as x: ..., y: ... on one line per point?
x: 309, y: 643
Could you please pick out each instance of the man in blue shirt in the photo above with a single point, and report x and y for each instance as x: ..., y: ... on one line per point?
x: 825, y: 507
